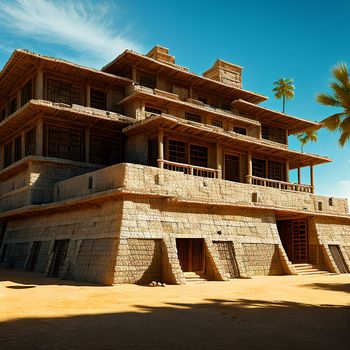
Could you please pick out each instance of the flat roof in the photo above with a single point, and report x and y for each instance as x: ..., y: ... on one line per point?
x: 129, y: 57
x: 294, y: 124
x: 227, y: 138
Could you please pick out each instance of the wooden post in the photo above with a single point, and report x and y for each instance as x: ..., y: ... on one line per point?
x: 88, y: 95
x: 39, y: 137
x: 299, y: 176
x: 87, y: 145
x: 190, y: 92
x: 250, y: 167
x: 312, y: 178
x: 161, y: 148
x: 19, y: 102
x: 287, y: 171
x: 134, y: 74
x: 39, y: 85
x: 219, y: 160
x: 23, y: 143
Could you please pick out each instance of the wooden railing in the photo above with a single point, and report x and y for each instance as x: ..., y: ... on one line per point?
x: 289, y: 186
x: 188, y: 169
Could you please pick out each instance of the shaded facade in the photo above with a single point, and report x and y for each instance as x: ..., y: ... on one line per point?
x: 145, y: 171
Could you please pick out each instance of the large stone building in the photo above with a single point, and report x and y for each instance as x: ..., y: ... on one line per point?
x: 145, y: 171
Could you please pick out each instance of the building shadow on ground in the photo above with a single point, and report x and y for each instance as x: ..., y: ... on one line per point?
x: 213, y: 324
x: 336, y: 287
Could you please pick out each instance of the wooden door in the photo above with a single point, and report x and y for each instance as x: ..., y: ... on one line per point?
x: 34, y: 254
x: 197, y: 255
x: 231, y: 168
x: 182, y: 253
x: 60, y: 251
x: 299, y: 241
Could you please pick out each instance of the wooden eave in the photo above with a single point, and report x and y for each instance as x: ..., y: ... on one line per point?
x: 226, y: 138
x: 166, y: 102
x: 86, y: 115
x: 130, y: 58
x: 23, y: 62
x: 293, y: 124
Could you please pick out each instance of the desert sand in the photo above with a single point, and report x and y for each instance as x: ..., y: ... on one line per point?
x: 275, y: 312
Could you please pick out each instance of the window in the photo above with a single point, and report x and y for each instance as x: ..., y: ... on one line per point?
x: 153, y: 152
x: 153, y: 110
x: 226, y: 106
x: 273, y: 134
x: 198, y: 155
x: 98, y: 99
x: 275, y: 170
x: 193, y: 117
x: 176, y: 151
x: 148, y: 80
x: 203, y: 99
x: 217, y: 123
x: 65, y: 143
x: 105, y: 150
x: 18, y: 148
x: 30, y: 142
x: 8, y: 154
x: 2, y: 114
x: 238, y: 130
x: 26, y: 92
x: 63, y: 92
x: 13, y: 105
x: 259, y: 167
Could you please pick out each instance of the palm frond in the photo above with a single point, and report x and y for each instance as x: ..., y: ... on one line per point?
x: 327, y: 100
x: 332, y: 122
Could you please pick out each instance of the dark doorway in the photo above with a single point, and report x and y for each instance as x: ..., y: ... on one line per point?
x: 232, y: 168
x: 34, y: 254
x: 60, y: 249
x: 191, y: 254
x: 294, y: 237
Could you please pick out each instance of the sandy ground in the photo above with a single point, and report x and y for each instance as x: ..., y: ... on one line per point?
x: 282, y: 312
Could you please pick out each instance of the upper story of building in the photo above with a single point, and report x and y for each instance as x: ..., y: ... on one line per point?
x: 142, y: 109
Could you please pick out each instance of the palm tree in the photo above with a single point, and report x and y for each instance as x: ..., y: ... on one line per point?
x: 340, y: 98
x: 284, y: 89
x: 307, y: 136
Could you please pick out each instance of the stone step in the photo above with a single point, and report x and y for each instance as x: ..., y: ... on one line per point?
x: 193, y: 277
x: 309, y: 269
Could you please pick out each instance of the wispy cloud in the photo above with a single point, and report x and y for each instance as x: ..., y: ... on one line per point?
x: 341, y: 190
x: 82, y: 26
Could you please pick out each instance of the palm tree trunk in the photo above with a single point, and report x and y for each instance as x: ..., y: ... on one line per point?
x: 283, y: 103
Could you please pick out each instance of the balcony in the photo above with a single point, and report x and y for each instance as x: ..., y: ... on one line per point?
x: 188, y: 169
x: 288, y: 186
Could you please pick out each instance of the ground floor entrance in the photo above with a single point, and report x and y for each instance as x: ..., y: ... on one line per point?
x: 191, y: 254
x: 294, y: 237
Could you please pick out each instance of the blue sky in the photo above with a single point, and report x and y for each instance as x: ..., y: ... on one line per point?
x: 296, y: 39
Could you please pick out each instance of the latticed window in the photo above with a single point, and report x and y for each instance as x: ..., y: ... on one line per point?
x: 8, y: 154
x: 273, y: 134
x: 63, y: 92
x: 238, y: 130
x: 198, y: 155
x: 259, y: 167
x: 18, y: 148
x: 148, y: 80
x: 105, y: 150
x: 2, y: 114
x: 13, y: 105
x: 217, y: 123
x: 30, y: 142
x: 177, y: 151
x: 152, y: 152
x: 98, y: 99
x: 275, y: 170
x: 193, y: 117
x: 26, y: 92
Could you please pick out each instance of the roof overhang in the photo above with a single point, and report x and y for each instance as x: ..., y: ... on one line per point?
x: 226, y: 138
x: 130, y: 58
x: 148, y: 95
x: 23, y: 62
x: 86, y: 115
x: 293, y: 124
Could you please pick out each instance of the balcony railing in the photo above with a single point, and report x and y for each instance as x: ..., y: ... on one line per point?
x: 188, y: 169
x: 289, y: 186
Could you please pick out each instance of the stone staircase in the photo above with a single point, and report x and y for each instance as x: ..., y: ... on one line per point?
x: 308, y: 269
x: 193, y: 277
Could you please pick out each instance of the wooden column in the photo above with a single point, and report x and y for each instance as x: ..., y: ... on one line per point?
x: 312, y: 178
x: 249, y: 167
x: 287, y: 171
x: 39, y: 85
x: 190, y: 92
x: 134, y: 74
x: 23, y: 143
x: 299, y: 176
x: 19, y: 102
x: 88, y: 95
x: 39, y: 137
x: 161, y: 148
x: 87, y: 145
x: 219, y: 160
